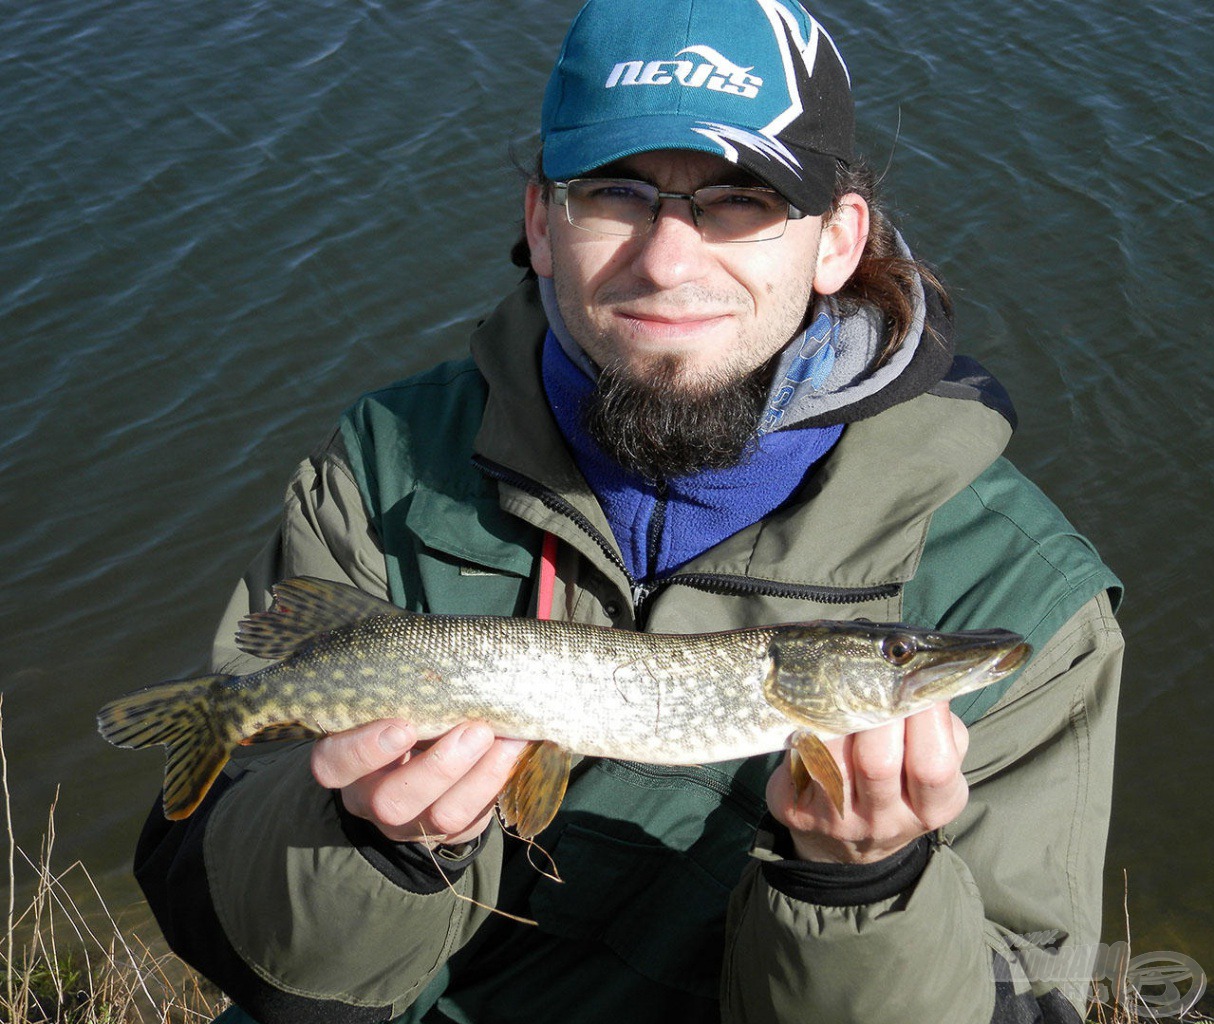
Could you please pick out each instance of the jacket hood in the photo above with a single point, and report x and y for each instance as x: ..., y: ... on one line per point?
x: 924, y: 358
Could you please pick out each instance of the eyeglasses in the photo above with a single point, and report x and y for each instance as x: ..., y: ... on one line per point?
x: 627, y: 209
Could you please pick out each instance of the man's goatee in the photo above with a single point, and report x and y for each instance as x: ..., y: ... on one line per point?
x: 662, y: 426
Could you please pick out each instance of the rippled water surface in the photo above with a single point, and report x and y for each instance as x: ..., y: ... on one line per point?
x: 220, y: 222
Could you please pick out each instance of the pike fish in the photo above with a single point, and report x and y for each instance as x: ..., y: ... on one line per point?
x: 342, y: 658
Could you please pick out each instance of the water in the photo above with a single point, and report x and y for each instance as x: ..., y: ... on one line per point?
x: 220, y: 222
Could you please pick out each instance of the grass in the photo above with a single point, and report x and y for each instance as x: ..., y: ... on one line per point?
x: 1132, y: 997
x: 64, y: 959
x: 1118, y: 1014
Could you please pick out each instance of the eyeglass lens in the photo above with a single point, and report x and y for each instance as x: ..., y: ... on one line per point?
x: 723, y: 213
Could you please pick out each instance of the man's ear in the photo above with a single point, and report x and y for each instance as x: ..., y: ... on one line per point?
x: 844, y: 234
x: 535, y: 219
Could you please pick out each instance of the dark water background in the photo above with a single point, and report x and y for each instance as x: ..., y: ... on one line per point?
x: 221, y: 221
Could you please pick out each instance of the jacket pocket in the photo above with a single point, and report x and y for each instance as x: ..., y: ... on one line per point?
x: 469, y: 559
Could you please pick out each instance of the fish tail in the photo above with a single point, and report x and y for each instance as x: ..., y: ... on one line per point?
x: 185, y: 717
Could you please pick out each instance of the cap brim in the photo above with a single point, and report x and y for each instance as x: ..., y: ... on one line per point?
x: 804, y: 178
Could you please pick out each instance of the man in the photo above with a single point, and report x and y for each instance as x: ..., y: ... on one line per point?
x: 725, y: 396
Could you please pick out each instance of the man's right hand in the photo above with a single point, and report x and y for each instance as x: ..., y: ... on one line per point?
x: 438, y: 792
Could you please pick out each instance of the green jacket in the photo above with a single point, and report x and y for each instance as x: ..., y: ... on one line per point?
x: 670, y: 907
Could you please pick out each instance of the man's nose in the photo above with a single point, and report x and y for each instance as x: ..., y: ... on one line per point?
x: 673, y: 251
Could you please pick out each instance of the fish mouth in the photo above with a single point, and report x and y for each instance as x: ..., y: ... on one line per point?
x: 1011, y: 661
x: 961, y: 671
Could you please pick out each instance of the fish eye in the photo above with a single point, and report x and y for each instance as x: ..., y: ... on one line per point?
x: 898, y: 650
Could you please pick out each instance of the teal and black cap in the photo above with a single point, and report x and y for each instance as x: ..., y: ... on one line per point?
x: 758, y: 82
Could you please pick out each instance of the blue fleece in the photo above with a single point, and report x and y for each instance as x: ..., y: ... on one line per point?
x: 695, y: 512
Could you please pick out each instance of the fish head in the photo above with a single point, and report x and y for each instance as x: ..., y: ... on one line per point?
x: 841, y: 677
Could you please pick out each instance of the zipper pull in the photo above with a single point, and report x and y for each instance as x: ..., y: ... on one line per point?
x: 640, y: 594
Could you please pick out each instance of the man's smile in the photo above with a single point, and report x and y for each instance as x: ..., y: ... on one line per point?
x: 671, y: 326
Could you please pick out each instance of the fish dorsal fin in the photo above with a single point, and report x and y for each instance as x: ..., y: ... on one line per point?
x: 536, y: 787
x: 303, y: 608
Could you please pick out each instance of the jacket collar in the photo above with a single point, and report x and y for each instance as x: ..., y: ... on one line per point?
x: 860, y: 520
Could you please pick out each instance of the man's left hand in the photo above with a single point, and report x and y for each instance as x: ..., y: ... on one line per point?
x: 901, y: 780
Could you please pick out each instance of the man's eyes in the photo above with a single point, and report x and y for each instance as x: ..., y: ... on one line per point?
x: 619, y: 191
x: 738, y: 198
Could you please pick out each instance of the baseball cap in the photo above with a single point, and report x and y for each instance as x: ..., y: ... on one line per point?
x: 759, y: 82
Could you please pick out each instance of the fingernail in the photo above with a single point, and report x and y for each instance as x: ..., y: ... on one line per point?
x: 474, y: 739
x: 514, y: 747
x: 394, y: 740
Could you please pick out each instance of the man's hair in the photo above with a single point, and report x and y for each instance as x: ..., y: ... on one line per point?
x: 885, y: 278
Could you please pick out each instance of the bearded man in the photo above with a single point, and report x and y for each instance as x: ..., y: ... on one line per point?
x: 724, y: 394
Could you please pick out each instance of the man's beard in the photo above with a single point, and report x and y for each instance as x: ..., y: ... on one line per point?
x: 664, y: 426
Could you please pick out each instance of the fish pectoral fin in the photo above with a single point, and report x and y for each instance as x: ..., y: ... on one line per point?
x: 810, y: 760
x: 536, y: 788
x: 295, y: 730
x: 303, y: 608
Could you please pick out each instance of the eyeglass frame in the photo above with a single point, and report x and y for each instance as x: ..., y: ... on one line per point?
x: 560, y: 196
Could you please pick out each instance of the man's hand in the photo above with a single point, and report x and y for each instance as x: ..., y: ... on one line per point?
x: 900, y: 781
x: 439, y: 792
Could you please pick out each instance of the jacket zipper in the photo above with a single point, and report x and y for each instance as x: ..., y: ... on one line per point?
x: 653, y: 535
x: 721, y: 583
x: 642, y: 591
x: 639, y: 590
x: 557, y: 504
x: 691, y: 774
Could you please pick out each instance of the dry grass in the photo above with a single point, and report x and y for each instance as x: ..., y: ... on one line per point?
x: 63, y: 957
x: 1120, y: 1014
x: 1128, y: 1001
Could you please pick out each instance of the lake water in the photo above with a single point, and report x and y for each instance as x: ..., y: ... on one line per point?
x: 220, y: 222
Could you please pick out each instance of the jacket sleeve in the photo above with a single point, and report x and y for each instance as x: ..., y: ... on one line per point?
x: 323, y: 532
x: 253, y: 888
x: 1003, y: 921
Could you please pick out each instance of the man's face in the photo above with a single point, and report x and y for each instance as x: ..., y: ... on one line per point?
x: 703, y: 313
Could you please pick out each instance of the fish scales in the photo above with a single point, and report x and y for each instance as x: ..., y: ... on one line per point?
x: 601, y: 692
